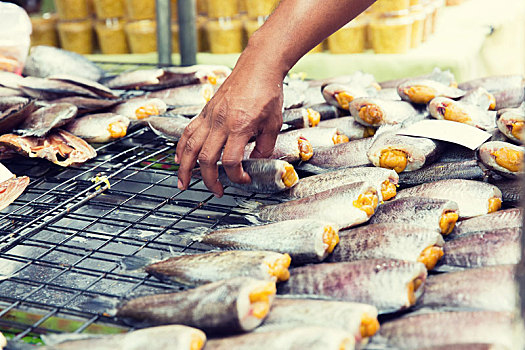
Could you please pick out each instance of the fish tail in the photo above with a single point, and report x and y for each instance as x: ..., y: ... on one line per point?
x: 196, y: 233
x: 250, y: 209
x: 102, y: 305
x: 55, y: 339
x: 18, y: 345
x: 134, y: 263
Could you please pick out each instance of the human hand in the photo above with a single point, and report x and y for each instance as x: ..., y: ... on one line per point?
x: 248, y: 104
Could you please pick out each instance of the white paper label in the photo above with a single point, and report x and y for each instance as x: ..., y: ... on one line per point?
x: 5, y: 174
x: 446, y: 130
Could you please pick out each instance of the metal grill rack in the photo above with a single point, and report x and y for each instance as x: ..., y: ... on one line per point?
x: 62, y: 241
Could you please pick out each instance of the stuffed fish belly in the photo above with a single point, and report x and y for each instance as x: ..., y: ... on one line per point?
x: 392, y: 241
x: 320, y: 137
x: 301, y: 117
x: 346, y: 206
x: 422, y: 91
x: 290, y: 147
x: 102, y: 127
x: 502, y: 157
x: 140, y: 108
x: 511, y: 123
x: 340, y: 95
x: 390, y: 285
x: 473, y: 198
x: 170, y: 128
x: 348, y: 127
x: 376, y: 112
x: 457, y: 111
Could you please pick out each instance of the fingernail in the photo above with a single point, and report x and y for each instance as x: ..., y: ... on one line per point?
x: 217, y: 195
x: 176, y: 158
x: 179, y: 184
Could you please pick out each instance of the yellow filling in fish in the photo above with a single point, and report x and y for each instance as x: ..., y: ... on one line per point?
x: 117, y: 130
x: 448, y: 221
x: 369, y: 326
x: 369, y: 132
x: 492, y: 100
x: 344, y: 99
x: 289, y: 177
x: 452, y: 112
x: 454, y: 84
x: 212, y: 79
x: 371, y: 114
x: 430, y: 256
x: 207, y: 92
x: 306, y: 151
x: 279, y: 268
x: 420, y: 94
x: 388, y: 190
x: 494, y: 204
x: 330, y: 238
x: 508, y: 158
x: 146, y: 111
x: 196, y: 343
x: 517, y: 130
x: 337, y: 139
x: 367, y: 202
x: 393, y: 159
x: 412, y: 287
x: 260, y: 300
x: 346, y: 344
x: 314, y: 117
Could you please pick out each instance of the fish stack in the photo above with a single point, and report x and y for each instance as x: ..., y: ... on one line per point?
x: 385, y: 239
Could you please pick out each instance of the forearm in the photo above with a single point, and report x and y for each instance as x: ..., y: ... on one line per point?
x: 295, y: 27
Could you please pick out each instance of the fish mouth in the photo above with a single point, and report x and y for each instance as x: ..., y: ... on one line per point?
x: 306, y: 151
x: 413, y: 289
x: 339, y: 138
x: 369, y: 326
x: 289, y: 176
x: 494, y: 204
x: 330, y: 238
x: 344, y: 99
x: 430, y: 256
x: 314, y: 117
x: 516, y: 129
x: 420, y: 94
x: 253, y: 303
x: 393, y: 159
x: 508, y: 158
x: 367, y: 202
x: 447, y: 221
x: 388, y: 190
x: 279, y: 268
x: 371, y: 114
x: 196, y: 342
x: 450, y: 111
x: 260, y: 300
x: 146, y: 111
x: 117, y: 129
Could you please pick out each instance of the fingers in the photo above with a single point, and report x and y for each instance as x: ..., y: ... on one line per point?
x: 188, y: 152
x: 190, y: 129
x: 264, y: 145
x: 208, y: 158
x: 233, y: 155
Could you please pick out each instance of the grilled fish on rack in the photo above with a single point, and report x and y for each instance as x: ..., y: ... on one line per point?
x: 189, y: 95
x: 306, y: 241
x: 198, y: 269
x: 11, y: 189
x: 301, y: 117
x: 170, y: 128
x: 500, y: 219
x: 341, y: 95
x: 13, y: 111
x: 391, y: 241
x: 509, y: 90
x: 140, y: 108
x: 349, y: 127
x: 503, y: 157
x: 422, y: 91
x: 390, y: 285
x: 48, y: 89
x: 461, y: 112
x: 47, y: 118
x: 290, y: 147
x: 102, y: 127
x: 101, y: 90
x: 87, y: 104
x: 511, y: 123
x: 376, y: 112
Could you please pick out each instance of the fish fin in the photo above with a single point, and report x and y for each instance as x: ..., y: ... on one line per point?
x: 18, y: 345
x: 101, y: 305
x: 250, y: 209
x: 55, y: 339
x: 194, y: 233
x: 135, y: 263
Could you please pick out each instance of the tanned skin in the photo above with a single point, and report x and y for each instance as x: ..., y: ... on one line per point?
x: 249, y: 103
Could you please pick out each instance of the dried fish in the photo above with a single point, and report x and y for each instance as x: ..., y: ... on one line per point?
x: 170, y: 128
x: 346, y: 206
x: 99, y: 128
x: 59, y: 147
x: 376, y: 112
x: 468, y: 170
x: 403, y: 153
x: 93, y: 86
x: 140, y: 108
x: 474, y: 198
x: 439, y: 215
x: 229, y: 306
x: 47, y: 89
x: 301, y: 117
x: 198, y: 269
x: 385, y: 181
x: 421, y: 91
x: 312, y: 338
x: 441, y: 328
x: 44, y: 61
x: 267, y: 176
x: 457, y: 111
x: 14, y: 110
x: 304, y: 240
x: 87, y: 104
x: 348, y: 127
x: 508, y: 218
x: 346, y: 155
x: 490, y: 288
x: 390, y: 285
x: 47, y: 118
x: 11, y: 189
x: 503, y: 157
x: 189, y: 95
x: 480, y: 97
x: 390, y: 241
x: 154, y: 338
x: 355, y: 318
x: 511, y: 123
x: 497, y: 247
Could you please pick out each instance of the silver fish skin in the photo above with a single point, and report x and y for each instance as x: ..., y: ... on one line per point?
x: 306, y: 241
x: 508, y: 218
x: 335, y: 205
x: 420, y: 211
x: 494, y: 83
x: 408, y: 91
x: 140, y: 108
x: 93, y: 86
x: 468, y: 169
x: 418, y: 151
x: 44, y: 61
x: 479, y: 97
x: 99, y: 128
x: 488, y: 154
x: 14, y: 111
x: 312, y: 338
x: 188, y: 111
x: 297, y: 118
x: 47, y: 89
x: 347, y: 126
x: 217, y: 307
x: 43, y: 120
x: 441, y: 328
x: 294, y: 94
x: 346, y: 155
x: 314, y: 96
x: 267, y: 176
x: 385, y: 283
x: 510, y: 98
x: 11, y: 189
x: 154, y: 338
x: 8, y: 92
x: 326, y: 110
x: 87, y: 104
x: 385, y: 241
x: 318, y: 137
x: 289, y: 313
x: 356, y: 78
x: 511, y: 191
x: 447, y: 109
x: 290, y: 147
x: 376, y: 112
x: 474, y: 198
x: 10, y: 80
x: 188, y: 95
x: 170, y: 128
x: 510, y: 123
x: 490, y: 288
x: 199, y: 269
x: 389, y: 94
x: 498, y: 247
x: 318, y: 183
x: 445, y: 77
x: 456, y: 153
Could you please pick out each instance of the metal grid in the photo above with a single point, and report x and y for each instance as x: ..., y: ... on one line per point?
x: 62, y: 241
